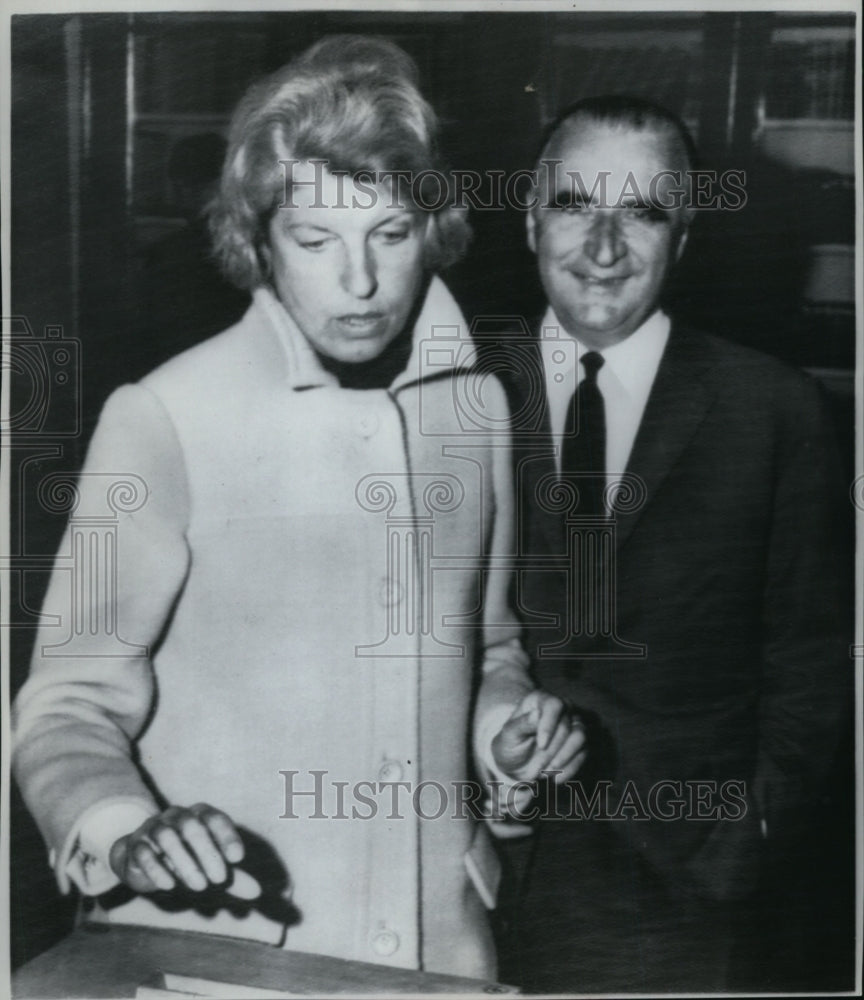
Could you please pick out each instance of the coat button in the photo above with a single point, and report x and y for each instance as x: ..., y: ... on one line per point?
x: 390, y: 592
x: 367, y: 424
x: 385, y: 943
x: 390, y: 770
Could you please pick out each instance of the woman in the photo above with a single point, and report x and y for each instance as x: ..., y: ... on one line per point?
x: 298, y: 597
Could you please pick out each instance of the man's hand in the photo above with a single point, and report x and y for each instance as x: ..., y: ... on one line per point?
x: 540, y: 736
x: 193, y: 848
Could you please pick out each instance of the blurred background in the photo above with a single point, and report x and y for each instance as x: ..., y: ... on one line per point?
x: 118, y: 125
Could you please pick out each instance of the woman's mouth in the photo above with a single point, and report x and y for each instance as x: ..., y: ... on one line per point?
x: 362, y: 322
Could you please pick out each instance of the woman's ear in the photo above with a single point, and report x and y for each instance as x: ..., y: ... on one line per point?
x: 265, y: 259
x: 431, y: 242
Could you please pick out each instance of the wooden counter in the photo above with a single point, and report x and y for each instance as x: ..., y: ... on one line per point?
x: 112, y: 961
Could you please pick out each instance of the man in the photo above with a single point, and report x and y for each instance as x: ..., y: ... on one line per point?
x: 713, y: 690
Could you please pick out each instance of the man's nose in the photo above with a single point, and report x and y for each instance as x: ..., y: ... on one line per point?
x: 605, y: 243
x: 359, y: 272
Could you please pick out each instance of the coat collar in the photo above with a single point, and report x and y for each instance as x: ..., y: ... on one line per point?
x: 441, y: 345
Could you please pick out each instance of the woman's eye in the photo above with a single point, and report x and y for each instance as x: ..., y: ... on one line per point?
x: 313, y: 244
x: 393, y: 235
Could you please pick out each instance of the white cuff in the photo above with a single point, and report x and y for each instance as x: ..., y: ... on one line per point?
x: 85, y: 856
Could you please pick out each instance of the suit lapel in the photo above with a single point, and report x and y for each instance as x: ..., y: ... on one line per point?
x: 680, y: 398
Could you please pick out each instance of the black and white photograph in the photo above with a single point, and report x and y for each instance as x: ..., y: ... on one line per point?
x: 432, y: 495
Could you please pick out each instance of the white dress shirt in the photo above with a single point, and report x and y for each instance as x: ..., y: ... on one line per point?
x: 625, y: 380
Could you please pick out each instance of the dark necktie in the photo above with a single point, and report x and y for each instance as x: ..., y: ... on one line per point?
x: 584, y: 446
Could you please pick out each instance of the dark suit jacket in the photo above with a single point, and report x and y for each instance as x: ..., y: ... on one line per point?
x: 729, y: 574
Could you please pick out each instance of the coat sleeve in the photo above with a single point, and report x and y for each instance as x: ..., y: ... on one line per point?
x: 91, y: 688
x: 807, y: 675
x: 505, y: 678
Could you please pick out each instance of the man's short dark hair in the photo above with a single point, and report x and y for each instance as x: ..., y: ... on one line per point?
x: 625, y: 110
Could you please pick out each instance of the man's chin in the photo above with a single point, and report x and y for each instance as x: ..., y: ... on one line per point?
x: 599, y: 331
x: 603, y: 322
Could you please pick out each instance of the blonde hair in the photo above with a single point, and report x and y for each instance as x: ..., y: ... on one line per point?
x: 350, y: 100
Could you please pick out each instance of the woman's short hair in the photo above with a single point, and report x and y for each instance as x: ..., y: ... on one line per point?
x: 350, y: 100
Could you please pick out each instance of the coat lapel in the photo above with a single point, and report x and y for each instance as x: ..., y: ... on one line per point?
x: 680, y: 398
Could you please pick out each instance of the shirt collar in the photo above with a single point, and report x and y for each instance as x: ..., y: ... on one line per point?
x: 633, y: 361
x: 441, y: 341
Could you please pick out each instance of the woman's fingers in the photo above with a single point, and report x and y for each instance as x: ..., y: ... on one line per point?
x: 521, y: 728
x: 178, y: 856
x: 551, y: 709
x: 514, y: 744
x: 570, y: 756
x: 223, y: 832
x: 566, y: 741
x: 142, y: 867
x: 194, y: 847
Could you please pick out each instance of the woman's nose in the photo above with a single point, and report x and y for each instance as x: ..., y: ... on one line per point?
x: 605, y: 243
x: 359, y: 273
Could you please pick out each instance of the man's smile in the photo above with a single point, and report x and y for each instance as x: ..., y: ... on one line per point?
x: 600, y: 282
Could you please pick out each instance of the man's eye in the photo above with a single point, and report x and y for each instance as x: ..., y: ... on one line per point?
x: 567, y: 203
x: 650, y: 213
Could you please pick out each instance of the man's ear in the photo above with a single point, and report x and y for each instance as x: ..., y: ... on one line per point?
x: 682, y: 238
x: 531, y: 230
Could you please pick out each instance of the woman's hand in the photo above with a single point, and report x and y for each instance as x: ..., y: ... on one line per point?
x: 540, y: 736
x: 192, y: 848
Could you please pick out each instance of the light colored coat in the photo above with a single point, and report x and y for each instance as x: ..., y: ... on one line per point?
x: 319, y: 576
